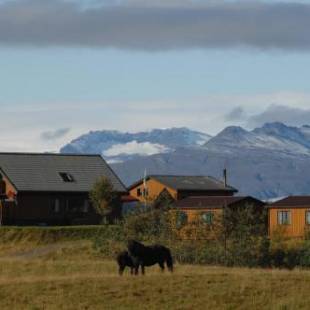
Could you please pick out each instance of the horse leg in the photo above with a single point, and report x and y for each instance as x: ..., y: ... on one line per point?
x: 131, y: 270
x: 142, y: 269
x: 136, y: 269
x: 121, y: 270
x: 162, y: 266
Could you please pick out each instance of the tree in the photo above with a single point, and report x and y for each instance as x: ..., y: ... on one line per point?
x: 104, y: 199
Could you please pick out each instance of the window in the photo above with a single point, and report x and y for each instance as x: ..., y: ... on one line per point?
x: 86, y: 206
x: 207, y: 217
x: 145, y: 192
x: 284, y: 217
x: 56, y: 206
x: 139, y: 192
x: 181, y: 220
x: 308, y: 217
x: 75, y: 205
x: 66, y: 177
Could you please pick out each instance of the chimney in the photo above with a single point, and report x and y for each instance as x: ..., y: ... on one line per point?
x: 225, y: 177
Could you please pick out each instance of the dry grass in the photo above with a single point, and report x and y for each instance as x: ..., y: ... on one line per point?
x: 70, y: 275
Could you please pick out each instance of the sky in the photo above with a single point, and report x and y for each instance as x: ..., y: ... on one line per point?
x: 68, y: 67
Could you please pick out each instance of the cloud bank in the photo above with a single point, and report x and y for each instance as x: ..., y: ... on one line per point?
x: 54, y: 135
x: 155, y: 25
x: 281, y: 113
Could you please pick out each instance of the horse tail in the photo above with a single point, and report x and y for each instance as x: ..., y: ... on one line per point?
x: 169, y: 261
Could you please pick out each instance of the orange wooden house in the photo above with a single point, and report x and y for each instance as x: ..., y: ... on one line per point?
x: 179, y: 187
x: 208, y: 207
x: 290, y: 216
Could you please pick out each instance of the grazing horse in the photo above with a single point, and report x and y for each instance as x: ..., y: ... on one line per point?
x: 123, y: 259
x: 142, y: 255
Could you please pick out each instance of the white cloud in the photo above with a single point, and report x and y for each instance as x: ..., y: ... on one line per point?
x: 134, y: 148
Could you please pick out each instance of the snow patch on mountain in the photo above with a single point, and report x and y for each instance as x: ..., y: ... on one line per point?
x: 136, y: 148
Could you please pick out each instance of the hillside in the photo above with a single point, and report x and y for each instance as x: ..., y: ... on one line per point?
x: 267, y: 162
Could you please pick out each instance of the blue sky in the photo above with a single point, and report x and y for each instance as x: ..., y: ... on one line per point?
x: 54, y: 90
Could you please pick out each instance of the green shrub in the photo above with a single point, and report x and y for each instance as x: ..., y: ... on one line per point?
x: 304, y: 259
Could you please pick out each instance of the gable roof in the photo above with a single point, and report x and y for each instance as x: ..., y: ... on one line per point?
x: 193, y: 183
x: 292, y: 201
x: 205, y: 202
x: 41, y: 172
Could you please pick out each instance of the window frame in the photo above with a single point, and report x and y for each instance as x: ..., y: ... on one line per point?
x: 281, y: 221
x: 67, y: 177
x: 307, y: 216
x: 56, y: 206
x: 210, y: 220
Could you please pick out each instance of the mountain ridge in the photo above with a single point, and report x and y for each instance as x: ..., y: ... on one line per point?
x: 266, y: 162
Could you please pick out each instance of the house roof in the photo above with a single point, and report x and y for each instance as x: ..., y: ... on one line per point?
x: 204, y: 202
x: 292, y: 201
x: 193, y: 183
x: 41, y: 172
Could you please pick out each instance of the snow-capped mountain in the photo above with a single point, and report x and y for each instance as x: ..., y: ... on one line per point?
x: 267, y: 162
x: 275, y: 137
x: 116, y: 146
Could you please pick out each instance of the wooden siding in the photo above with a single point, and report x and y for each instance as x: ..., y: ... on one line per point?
x: 9, y: 187
x: 298, y: 224
x: 193, y: 214
x: 154, y: 189
x: 39, y: 208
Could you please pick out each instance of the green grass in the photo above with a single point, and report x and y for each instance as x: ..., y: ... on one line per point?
x: 43, y: 235
x: 71, y: 275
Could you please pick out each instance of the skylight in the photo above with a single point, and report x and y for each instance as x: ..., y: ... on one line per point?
x: 66, y: 177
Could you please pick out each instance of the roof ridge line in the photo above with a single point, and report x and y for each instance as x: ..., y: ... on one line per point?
x: 48, y: 154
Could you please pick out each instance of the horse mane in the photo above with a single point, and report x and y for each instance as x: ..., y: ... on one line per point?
x: 135, y: 247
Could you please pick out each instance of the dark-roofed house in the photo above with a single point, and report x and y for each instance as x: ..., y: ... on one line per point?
x: 208, y: 206
x: 290, y: 215
x: 52, y: 188
x: 179, y: 187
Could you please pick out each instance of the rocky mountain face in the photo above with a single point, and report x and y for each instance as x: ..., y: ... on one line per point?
x: 267, y: 162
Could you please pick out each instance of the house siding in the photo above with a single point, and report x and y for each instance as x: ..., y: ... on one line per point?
x: 193, y: 215
x: 37, y: 208
x: 154, y: 189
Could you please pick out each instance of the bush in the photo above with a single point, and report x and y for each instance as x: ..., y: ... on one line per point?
x: 304, y: 259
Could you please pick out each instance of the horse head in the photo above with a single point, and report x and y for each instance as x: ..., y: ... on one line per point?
x: 134, y: 247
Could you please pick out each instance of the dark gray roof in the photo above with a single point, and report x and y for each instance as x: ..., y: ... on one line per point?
x: 194, y: 183
x: 292, y: 202
x: 40, y: 172
x: 205, y: 202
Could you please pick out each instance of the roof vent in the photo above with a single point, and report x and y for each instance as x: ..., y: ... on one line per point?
x: 66, y: 177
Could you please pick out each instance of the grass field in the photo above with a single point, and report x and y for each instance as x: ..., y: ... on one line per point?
x: 70, y: 275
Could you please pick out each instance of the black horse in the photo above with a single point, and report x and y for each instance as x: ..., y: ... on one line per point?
x: 142, y: 255
x: 124, y: 260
